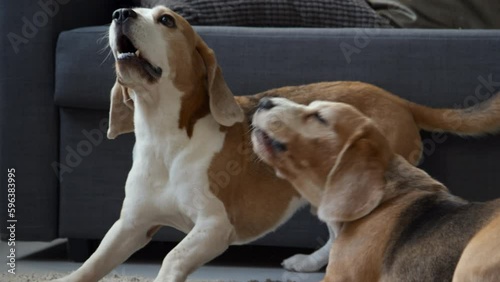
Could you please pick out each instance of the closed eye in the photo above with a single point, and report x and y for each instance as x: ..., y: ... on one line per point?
x: 317, y: 116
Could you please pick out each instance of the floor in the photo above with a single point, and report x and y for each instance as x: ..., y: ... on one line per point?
x: 243, y: 263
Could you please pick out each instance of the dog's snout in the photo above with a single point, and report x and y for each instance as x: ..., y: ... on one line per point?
x: 122, y: 15
x: 266, y: 104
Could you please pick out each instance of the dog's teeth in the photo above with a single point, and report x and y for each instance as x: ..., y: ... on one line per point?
x: 122, y: 56
x: 138, y: 53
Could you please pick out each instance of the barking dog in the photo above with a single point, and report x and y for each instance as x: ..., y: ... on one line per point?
x: 190, y: 130
x: 393, y: 221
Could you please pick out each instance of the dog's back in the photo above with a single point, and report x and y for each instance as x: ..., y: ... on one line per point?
x: 431, y: 235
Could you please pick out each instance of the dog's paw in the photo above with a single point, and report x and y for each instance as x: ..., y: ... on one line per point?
x: 302, y: 263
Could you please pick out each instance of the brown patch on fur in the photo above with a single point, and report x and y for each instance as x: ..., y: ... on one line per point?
x: 358, y: 252
x: 480, y: 119
x: 195, y: 72
x: 188, y: 74
x: 401, y: 175
x: 254, y: 198
x: 194, y: 107
x: 480, y: 260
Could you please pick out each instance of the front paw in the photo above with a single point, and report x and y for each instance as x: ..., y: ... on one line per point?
x: 302, y: 263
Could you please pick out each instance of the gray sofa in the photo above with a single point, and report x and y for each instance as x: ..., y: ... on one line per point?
x: 54, y: 98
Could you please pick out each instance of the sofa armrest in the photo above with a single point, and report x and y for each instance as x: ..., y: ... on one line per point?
x: 29, y: 126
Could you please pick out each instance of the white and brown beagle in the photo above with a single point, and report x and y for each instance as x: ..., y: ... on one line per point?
x: 393, y: 221
x: 193, y: 164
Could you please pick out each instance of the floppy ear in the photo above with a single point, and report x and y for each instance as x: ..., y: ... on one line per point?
x: 121, y: 112
x: 223, y: 106
x: 356, y: 183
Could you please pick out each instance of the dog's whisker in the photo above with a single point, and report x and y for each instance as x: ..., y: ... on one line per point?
x: 103, y: 37
x: 103, y: 49
x: 250, y: 129
x: 107, y: 57
x: 100, y: 41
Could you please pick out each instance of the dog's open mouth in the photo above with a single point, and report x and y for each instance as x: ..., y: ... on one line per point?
x: 126, y: 51
x: 271, y: 145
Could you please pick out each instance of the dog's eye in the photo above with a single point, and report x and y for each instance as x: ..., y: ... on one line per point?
x: 167, y: 20
x: 319, y: 118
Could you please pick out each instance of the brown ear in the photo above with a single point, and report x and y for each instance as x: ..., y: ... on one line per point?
x: 356, y: 183
x: 121, y: 112
x: 223, y: 106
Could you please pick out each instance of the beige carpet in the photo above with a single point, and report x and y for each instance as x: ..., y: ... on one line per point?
x: 39, y: 277
x: 44, y: 277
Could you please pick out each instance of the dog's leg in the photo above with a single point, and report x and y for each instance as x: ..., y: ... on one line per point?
x: 208, y: 239
x: 314, y: 261
x: 121, y: 241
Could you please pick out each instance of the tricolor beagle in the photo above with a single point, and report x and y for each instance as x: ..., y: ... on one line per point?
x: 193, y: 165
x: 393, y: 221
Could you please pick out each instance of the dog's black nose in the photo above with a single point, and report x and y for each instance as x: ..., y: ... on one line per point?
x: 122, y: 15
x: 265, y: 104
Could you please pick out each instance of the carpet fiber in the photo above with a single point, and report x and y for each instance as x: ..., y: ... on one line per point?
x: 39, y: 277
x: 44, y: 277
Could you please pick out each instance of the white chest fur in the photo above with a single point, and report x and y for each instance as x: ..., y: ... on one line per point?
x: 168, y: 183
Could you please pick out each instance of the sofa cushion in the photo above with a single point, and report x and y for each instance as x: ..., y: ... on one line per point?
x: 276, y: 13
x: 433, y: 67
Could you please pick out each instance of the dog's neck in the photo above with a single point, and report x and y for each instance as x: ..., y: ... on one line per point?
x: 156, y: 110
x: 404, y: 183
x: 402, y: 177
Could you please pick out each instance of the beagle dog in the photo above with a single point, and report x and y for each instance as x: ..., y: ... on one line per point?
x: 193, y: 164
x: 393, y: 222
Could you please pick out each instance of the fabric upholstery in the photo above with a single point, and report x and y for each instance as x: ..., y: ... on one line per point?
x: 420, y: 65
x: 275, y: 13
x: 462, y: 14
x: 28, y: 117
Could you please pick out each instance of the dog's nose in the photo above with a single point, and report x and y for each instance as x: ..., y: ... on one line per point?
x: 265, y: 104
x: 122, y: 15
